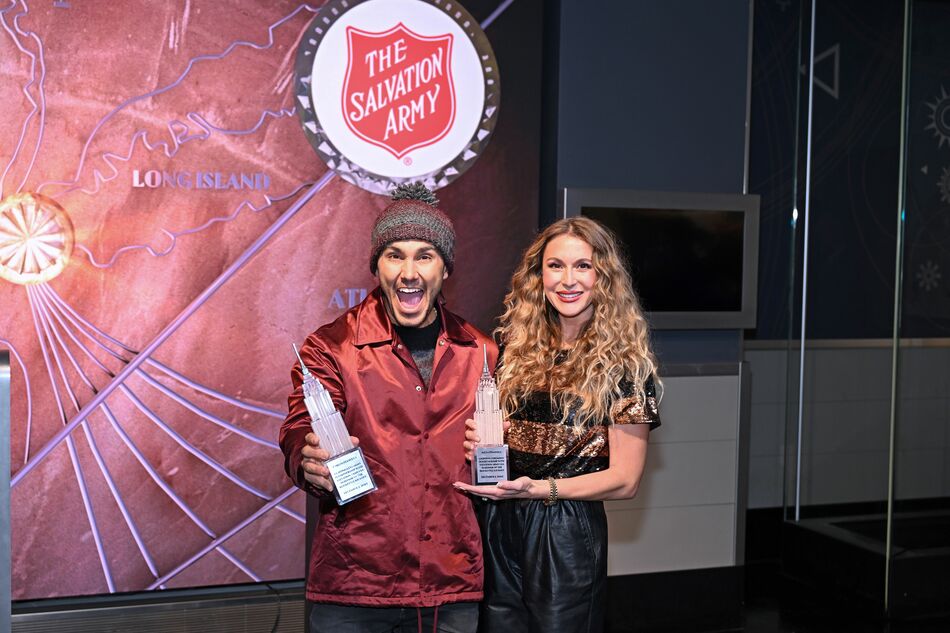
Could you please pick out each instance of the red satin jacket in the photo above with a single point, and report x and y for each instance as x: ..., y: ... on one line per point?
x: 414, y: 542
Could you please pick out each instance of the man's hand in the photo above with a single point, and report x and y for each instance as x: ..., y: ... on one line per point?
x: 314, y: 469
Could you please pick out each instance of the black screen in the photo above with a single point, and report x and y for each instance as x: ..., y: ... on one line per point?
x: 681, y: 260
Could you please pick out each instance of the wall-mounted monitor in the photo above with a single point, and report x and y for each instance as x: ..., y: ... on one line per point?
x: 693, y: 256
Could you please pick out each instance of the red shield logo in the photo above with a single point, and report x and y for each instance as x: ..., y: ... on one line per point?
x: 398, y: 92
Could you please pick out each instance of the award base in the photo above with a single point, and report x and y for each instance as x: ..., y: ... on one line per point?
x: 490, y: 464
x: 350, y: 475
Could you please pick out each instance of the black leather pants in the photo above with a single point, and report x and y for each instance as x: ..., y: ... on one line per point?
x: 545, y: 566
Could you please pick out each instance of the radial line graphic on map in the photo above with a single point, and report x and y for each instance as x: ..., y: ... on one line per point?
x: 170, y: 329
x: 46, y: 317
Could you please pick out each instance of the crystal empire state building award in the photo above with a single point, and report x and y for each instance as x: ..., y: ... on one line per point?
x: 348, y: 470
x: 490, y: 459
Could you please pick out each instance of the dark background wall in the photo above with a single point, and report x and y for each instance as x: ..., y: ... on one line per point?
x: 649, y: 95
x: 854, y: 173
x: 652, y: 95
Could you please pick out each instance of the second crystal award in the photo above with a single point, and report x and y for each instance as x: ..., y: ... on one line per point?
x: 348, y: 470
x: 490, y: 458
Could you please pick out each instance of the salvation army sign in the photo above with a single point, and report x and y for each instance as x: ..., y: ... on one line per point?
x: 415, y: 107
x: 391, y: 91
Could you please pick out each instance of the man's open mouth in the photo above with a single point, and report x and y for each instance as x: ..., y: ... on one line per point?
x: 409, y: 297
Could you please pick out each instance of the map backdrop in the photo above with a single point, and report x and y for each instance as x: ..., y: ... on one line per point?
x: 208, y: 237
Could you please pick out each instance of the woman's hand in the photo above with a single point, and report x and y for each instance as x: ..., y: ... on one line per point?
x: 520, y: 488
x: 472, y: 439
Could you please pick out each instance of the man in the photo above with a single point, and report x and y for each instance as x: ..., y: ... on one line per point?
x: 402, y: 370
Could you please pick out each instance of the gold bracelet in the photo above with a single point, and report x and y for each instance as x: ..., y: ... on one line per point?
x: 552, y: 495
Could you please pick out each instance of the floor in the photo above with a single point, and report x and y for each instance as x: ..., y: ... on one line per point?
x: 776, y: 605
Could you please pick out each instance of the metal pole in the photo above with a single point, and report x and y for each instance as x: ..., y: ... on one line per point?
x: 801, y: 361
x: 898, y: 287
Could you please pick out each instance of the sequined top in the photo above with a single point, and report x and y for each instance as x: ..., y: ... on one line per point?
x: 540, y: 445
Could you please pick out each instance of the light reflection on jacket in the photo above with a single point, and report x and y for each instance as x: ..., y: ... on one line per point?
x: 414, y: 541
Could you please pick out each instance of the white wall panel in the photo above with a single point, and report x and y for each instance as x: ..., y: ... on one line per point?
x: 684, y: 516
x: 686, y: 473
x: 698, y: 408
x: 667, y: 539
x: 846, y: 424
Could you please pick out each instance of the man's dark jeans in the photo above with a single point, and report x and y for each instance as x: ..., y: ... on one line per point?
x: 459, y: 617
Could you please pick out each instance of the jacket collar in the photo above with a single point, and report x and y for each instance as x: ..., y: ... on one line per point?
x: 373, y: 324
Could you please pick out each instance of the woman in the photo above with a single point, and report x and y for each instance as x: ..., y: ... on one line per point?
x: 576, y: 381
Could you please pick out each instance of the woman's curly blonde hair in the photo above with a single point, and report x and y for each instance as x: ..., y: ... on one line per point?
x: 613, y: 345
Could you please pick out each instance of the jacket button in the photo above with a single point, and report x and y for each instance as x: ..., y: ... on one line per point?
x: 425, y: 435
x: 398, y: 345
x: 418, y: 387
x: 441, y: 341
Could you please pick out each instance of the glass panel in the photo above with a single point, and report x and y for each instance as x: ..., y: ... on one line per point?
x: 840, y: 369
x: 919, y: 561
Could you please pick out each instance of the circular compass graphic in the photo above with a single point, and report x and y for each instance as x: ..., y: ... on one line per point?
x: 36, y: 238
x: 943, y: 185
x: 940, y: 118
x: 396, y: 91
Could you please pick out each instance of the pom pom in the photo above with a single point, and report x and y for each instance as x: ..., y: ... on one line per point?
x: 415, y: 191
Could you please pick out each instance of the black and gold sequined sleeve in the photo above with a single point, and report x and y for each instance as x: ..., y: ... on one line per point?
x: 632, y: 409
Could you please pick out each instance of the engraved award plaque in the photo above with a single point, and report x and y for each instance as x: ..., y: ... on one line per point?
x: 490, y: 458
x: 348, y: 470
